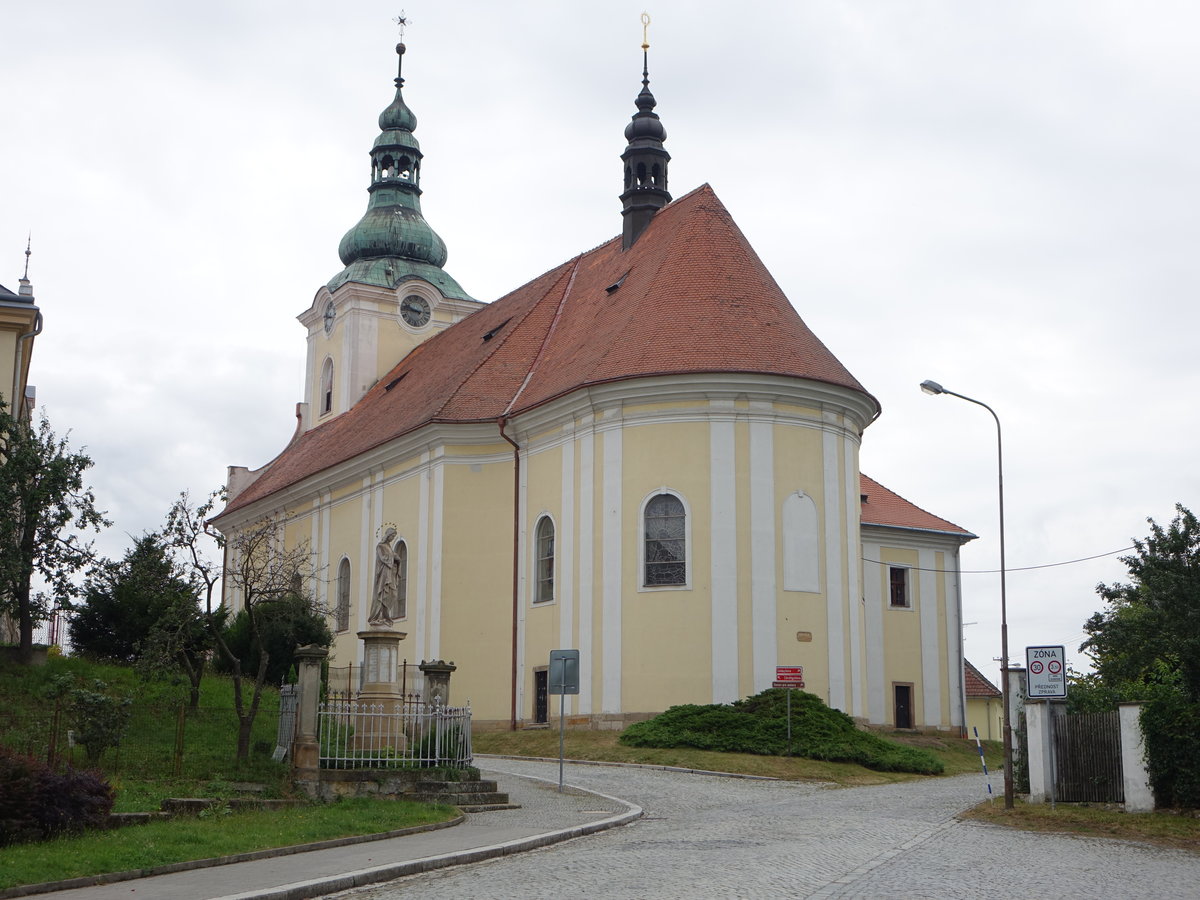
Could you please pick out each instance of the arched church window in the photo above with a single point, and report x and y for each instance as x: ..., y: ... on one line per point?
x: 388, y: 165
x: 404, y: 168
x: 341, y: 612
x: 544, y: 591
x: 666, y: 541
x: 656, y: 175
x: 641, y: 174
x: 327, y: 387
x: 401, y: 580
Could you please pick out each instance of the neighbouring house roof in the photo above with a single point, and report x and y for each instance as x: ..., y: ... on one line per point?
x: 690, y: 296
x: 881, y: 506
x: 977, y: 686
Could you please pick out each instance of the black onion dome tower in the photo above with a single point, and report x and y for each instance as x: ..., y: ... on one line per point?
x: 392, y: 242
x: 645, y: 159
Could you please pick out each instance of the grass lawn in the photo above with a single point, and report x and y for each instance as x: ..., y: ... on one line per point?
x: 959, y: 756
x: 177, y: 840
x: 1164, y: 828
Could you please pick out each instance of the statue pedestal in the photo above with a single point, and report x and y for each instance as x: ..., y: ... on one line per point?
x: 380, y: 726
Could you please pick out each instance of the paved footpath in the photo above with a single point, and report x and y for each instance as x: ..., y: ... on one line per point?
x: 704, y: 836
x: 700, y: 836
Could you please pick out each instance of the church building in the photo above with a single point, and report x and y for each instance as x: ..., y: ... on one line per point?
x: 643, y: 454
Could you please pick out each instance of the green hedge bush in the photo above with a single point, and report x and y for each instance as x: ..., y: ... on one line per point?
x: 759, y: 725
x: 1171, y: 726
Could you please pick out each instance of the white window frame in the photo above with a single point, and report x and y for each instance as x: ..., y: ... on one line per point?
x: 343, y: 586
x: 536, y: 581
x: 688, y: 546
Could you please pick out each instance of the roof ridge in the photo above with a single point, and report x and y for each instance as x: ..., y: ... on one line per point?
x: 547, y: 336
x: 508, y: 332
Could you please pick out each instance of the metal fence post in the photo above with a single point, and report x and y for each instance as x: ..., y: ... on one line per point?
x: 180, y: 726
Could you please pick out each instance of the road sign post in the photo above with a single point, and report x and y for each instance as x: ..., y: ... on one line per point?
x: 563, y: 679
x: 792, y: 678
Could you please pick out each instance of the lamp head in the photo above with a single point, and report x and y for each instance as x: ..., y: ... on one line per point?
x: 932, y: 387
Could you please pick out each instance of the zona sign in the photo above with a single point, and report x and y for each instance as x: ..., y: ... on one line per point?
x: 1046, y: 672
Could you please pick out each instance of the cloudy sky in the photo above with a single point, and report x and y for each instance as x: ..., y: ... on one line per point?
x: 1000, y: 197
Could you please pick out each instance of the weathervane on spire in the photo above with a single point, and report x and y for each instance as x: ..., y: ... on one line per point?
x: 645, y: 31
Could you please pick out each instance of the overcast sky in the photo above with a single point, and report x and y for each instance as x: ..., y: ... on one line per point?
x: 1000, y: 197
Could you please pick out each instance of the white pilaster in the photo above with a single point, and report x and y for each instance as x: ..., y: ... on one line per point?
x: 853, y: 501
x: 723, y: 599
x: 835, y: 588
x: 587, y: 489
x: 564, y: 578
x: 763, y: 596
x: 610, y: 628
x: 877, y: 688
x: 438, y: 479
x: 931, y: 655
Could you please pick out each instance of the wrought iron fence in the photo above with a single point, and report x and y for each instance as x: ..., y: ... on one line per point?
x: 404, y: 733
x: 344, y: 682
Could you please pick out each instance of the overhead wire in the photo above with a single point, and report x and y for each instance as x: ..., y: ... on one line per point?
x: 1067, y: 562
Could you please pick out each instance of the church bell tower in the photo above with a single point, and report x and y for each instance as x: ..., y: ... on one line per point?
x: 393, y: 292
x: 645, y: 158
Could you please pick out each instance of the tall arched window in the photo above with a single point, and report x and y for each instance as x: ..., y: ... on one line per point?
x: 327, y: 387
x: 341, y: 613
x: 666, y: 541
x: 402, y: 580
x: 544, y: 591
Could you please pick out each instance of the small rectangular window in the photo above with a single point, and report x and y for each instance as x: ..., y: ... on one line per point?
x: 898, y: 585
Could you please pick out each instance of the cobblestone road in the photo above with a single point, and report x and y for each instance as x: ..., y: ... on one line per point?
x: 705, y: 836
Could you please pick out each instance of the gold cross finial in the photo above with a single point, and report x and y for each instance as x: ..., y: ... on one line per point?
x: 645, y: 31
x: 403, y: 21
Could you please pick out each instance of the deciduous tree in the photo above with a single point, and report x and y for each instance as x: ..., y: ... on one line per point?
x: 1150, y: 632
x: 44, y: 507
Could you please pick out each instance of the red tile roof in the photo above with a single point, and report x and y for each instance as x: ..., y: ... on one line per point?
x: 881, y: 506
x: 976, y: 684
x: 693, y: 298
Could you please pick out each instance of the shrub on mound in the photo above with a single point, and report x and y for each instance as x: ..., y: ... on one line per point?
x: 759, y: 724
x: 38, y: 803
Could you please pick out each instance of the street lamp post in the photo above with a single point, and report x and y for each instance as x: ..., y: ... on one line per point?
x: 932, y: 387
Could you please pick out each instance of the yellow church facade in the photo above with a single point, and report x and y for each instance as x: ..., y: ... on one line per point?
x: 643, y: 454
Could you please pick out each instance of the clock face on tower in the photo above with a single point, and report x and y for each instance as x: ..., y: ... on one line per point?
x: 414, y: 310
x: 330, y: 315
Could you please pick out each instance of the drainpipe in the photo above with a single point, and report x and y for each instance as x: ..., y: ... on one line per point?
x: 516, y: 600
x: 18, y: 403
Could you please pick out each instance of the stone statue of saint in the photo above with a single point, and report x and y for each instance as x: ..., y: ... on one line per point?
x: 387, y: 577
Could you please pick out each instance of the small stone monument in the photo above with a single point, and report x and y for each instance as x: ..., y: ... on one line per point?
x: 437, y: 681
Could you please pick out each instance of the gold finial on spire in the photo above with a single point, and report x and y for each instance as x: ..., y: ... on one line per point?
x: 28, y: 244
x: 645, y: 31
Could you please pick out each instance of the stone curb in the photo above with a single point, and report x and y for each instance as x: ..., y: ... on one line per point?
x: 320, y: 887
x: 26, y: 890
x: 625, y: 765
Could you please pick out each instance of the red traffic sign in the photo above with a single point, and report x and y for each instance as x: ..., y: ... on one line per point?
x: 791, y: 685
x: 792, y: 674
